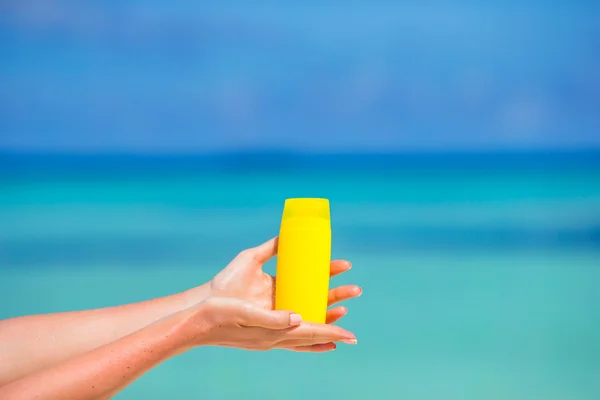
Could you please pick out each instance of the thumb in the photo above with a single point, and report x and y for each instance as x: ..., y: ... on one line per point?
x: 270, y: 319
x: 264, y: 252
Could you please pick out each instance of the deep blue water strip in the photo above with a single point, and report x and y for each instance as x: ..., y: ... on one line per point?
x: 39, y: 163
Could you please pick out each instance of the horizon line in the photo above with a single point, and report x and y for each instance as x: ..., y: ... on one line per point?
x: 290, y: 152
x: 537, y: 159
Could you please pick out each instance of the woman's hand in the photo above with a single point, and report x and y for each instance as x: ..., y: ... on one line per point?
x: 244, y: 279
x: 231, y: 322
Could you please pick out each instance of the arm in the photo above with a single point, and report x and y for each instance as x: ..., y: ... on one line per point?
x: 29, y: 344
x: 101, y: 373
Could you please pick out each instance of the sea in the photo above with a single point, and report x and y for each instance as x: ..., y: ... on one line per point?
x: 480, y: 271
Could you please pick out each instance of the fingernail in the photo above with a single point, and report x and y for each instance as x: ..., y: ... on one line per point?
x: 295, y: 319
x: 359, y: 292
x: 349, y: 341
x: 349, y: 265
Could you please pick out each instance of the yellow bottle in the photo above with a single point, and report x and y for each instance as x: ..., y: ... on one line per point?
x: 303, y: 258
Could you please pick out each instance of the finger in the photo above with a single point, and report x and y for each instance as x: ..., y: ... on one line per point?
x: 264, y: 252
x: 343, y: 293
x: 315, y: 348
x: 270, y: 319
x: 310, y: 342
x: 285, y: 344
x: 335, y: 314
x: 318, y: 333
x: 339, y: 266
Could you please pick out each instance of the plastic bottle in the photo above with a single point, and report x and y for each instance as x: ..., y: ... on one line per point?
x: 303, y: 258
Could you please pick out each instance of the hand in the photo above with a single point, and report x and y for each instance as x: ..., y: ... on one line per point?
x: 244, y: 279
x: 231, y: 322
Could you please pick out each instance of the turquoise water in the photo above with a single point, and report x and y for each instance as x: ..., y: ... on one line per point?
x: 478, y: 284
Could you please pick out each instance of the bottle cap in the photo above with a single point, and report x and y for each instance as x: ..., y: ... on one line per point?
x: 306, y: 207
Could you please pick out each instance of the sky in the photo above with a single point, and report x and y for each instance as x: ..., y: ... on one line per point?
x: 157, y: 77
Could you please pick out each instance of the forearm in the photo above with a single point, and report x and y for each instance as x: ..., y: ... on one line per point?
x: 29, y: 344
x: 102, y: 372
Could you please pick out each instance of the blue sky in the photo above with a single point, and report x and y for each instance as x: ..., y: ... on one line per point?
x: 328, y: 77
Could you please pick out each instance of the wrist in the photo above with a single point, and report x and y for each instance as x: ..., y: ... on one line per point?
x: 194, y: 296
x: 193, y: 325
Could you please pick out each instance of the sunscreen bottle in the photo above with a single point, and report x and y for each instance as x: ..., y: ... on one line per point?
x: 303, y: 258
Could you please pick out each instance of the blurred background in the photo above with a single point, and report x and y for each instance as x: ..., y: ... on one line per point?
x: 144, y: 144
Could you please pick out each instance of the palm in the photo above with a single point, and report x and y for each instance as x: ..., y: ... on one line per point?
x: 244, y: 279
